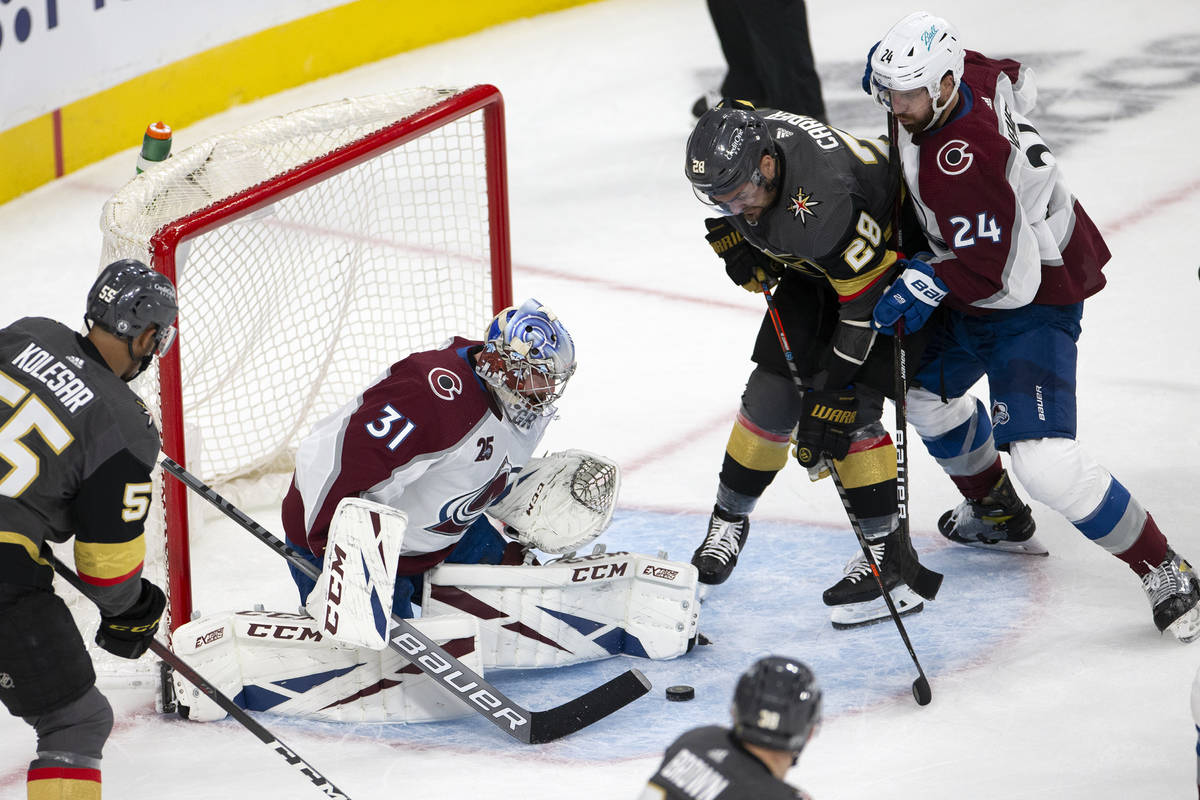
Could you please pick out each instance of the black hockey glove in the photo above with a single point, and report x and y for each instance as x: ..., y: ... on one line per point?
x: 745, y: 265
x: 128, y: 634
x: 826, y: 422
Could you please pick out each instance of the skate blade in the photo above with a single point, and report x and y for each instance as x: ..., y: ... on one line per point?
x: 1187, y: 628
x: 1029, y: 547
x: 856, y: 615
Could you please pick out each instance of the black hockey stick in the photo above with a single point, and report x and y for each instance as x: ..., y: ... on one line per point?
x: 920, y: 687
x: 237, y: 712
x: 530, y: 727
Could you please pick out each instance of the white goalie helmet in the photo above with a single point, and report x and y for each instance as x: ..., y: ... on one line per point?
x: 915, y: 54
x: 527, y: 359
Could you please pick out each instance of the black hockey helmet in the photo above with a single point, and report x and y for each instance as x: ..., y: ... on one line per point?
x: 725, y: 149
x: 776, y: 704
x: 129, y: 297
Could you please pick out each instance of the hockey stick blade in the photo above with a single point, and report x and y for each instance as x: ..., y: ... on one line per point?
x: 529, y: 727
x: 237, y: 712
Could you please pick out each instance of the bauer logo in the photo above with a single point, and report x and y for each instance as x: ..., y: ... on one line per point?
x: 661, y: 572
x: 210, y: 637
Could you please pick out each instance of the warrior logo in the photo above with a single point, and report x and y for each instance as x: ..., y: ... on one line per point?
x: 460, y: 512
x: 953, y: 158
x: 444, y: 383
x: 999, y: 413
x: 802, y: 204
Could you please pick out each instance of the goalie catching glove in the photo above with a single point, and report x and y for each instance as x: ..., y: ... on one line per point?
x: 561, y: 501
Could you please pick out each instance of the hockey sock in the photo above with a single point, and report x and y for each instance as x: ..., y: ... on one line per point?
x: 1148, y: 551
x: 60, y: 782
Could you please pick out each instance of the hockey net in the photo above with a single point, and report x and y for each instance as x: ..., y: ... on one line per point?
x: 310, y: 251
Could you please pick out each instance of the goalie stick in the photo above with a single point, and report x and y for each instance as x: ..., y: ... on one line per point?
x: 529, y: 727
x: 920, y: 687
x: 233, y: 709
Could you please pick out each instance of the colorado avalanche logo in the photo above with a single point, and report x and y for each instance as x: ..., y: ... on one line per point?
x: 444, y: 383
x: 802, y: 204
x: 458, y: 513
x: 953, y: 158
x: 999, y: 413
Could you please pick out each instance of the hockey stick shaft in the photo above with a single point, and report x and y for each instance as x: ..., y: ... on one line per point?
x: 233, y: 709
x: 777, y: 323
x: 529, y: 727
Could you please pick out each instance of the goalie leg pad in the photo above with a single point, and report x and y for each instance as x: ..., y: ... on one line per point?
x: 283, y: 663
x: 353, y: 595
x: 572, y: 610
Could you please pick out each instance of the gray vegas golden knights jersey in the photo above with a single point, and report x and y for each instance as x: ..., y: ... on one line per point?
x: 833, y: 219
x: 76, y: 450
x: 709, y: 764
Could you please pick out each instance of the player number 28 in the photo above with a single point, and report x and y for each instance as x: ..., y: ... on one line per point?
x: 860, y: 251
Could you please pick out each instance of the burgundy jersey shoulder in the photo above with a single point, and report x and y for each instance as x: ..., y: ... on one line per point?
x: 980, y: 72
x: 438, y: 391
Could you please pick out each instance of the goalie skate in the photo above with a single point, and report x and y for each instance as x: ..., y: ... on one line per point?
x: 855, y: 600
x: 1000, y: 521
x: 1175, y: 597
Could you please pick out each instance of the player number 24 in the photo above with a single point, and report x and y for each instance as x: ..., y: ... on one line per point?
x: 988, y: 229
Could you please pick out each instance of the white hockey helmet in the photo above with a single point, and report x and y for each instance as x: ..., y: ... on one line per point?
x: 527, y: 359
x: 915, y: 54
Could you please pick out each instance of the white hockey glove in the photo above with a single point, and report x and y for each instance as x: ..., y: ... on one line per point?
x: 560, y: 501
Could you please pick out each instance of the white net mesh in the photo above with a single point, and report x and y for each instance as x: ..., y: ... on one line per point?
x: 289, y: 312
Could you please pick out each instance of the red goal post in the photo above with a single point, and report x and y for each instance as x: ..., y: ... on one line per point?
x: 310, y: 251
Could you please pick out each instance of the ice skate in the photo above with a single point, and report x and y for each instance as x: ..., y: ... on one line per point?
x: 1175, y: 597
x: 717, y: 555
x: 1000, y: 521
x: 855, y: 599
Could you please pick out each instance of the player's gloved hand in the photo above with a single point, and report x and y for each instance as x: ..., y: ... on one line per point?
x: 128, y: 634
x: 866, y: 79
x: 912, y: 297
x: 826, y: 420
x: 745, y: 265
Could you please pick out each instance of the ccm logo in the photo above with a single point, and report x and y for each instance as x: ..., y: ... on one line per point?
x: 447, y: 673
x: 660, y: 572
x: 337, y: 577
x: 598, y: 572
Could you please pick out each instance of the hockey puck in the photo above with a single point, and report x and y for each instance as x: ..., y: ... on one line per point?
x: 921, y: 691
x: 679, y: 693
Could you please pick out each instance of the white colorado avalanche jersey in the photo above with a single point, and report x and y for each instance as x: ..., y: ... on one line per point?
x: 427, y: 438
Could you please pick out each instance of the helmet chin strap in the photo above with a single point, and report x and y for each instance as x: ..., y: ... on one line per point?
x: 143, y: 362
x: 940, y: 110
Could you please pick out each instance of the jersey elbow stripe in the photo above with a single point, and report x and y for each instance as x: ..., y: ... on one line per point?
x: 25, y: 543
x: 101, y: 564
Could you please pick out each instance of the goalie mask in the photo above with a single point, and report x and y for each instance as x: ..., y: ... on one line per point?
x: 527, y: 359
x: 777, y: 704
